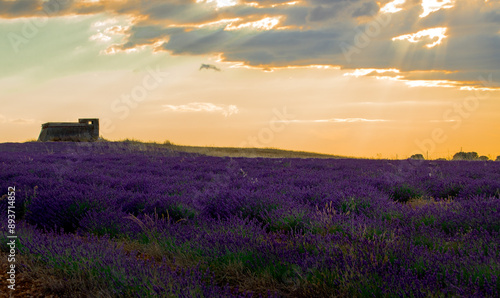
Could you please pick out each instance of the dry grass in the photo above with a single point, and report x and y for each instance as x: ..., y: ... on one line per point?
x: 36, y: 280
x: 251, y: 152
x: 229, y: 151
x: 421, y: 202
x: 137, y: 145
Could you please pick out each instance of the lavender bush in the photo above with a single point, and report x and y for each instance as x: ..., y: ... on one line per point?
x: 137, y: 221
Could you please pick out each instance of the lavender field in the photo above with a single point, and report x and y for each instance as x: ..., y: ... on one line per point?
x: 114, y: 220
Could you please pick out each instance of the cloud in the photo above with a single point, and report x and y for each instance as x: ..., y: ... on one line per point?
x: 358, y: 120
x: 398, y: 103
x: 209, y: 66
x: 19, y: 8
x: 437, y: 34
x: 367, y: 71
x: 430, y: 6
x: 226, y: 110
x: 431, y: 83
x: 443, y: 121
x: 337, y: 120
x: 4, y: 119
x: 388, y: 34
x: 22, y: 121
x: 392, y: 7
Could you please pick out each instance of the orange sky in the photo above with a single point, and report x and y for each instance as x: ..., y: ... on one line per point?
x: 357, y: 78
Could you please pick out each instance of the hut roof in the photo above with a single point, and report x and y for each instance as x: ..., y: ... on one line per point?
x: 64, y: 124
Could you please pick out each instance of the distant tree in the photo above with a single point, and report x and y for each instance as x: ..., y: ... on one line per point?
x: 417, y: 156
x: 498, y: 158
x: 466, y: 156
x: 441, y: 159
x: 472, y: 155
x: 483, y: 157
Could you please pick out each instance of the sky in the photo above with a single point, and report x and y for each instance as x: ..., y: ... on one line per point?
x: 348, y: 77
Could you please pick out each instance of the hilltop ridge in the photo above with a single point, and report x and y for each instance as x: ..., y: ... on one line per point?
x: 136, y: 145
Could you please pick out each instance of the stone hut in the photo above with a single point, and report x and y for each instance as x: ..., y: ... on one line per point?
x: 85, y: 130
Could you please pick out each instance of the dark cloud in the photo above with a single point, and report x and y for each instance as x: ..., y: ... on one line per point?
x: 347, y: 33
x: 321, y: 13
x: 366, y: 9
x: 13, y: 9
x: 58, y: 6
x: 198, y: 42
x: 148, y: 34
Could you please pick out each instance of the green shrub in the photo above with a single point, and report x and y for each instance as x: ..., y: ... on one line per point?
x: 403, y: 193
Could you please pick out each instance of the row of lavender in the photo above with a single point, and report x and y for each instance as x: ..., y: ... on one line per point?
x: 296, y: 227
